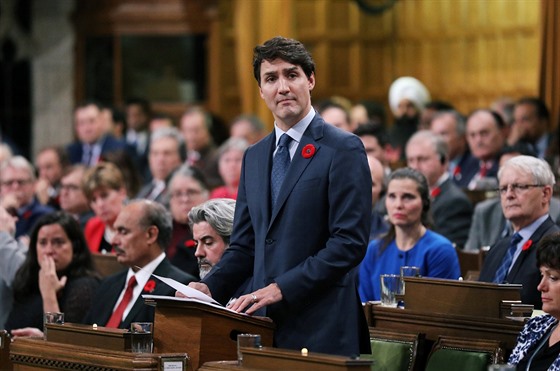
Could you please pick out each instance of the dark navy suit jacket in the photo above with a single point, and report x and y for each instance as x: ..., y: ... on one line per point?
x: 525, y: 270
x: 309, y: 244
x: 108, y: 144
x: 111, y: 287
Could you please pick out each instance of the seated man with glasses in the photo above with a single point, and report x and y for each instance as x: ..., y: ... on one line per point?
x: 525, y: 188
x: 17, y: 194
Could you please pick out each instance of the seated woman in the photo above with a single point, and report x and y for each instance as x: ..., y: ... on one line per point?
x: 409, y: 242
x: 538, y: 345
x: 105, y: 189
x: 56, y: 276
x: 187, y: 189
x: 230, y: 157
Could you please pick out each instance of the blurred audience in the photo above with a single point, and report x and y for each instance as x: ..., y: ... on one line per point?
x: 248, y: 127
x: 451, y: 208
x: 187, y: 189
x: 230, y: 158
x: 17, y: 194
x: 92, y: 138
x: 50, y: 163
x: 165, y: 156
x: 72, y: 197
x: 105, y: 190
x: 485, y: 136
x: 196, y: 124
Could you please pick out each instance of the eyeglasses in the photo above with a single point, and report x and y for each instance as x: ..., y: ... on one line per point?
x: 12, y: 182
x: 517, y: 188
x: 189, y: 193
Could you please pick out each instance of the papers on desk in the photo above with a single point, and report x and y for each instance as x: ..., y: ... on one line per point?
x: 192, y: 294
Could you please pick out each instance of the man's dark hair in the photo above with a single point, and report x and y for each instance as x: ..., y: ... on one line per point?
x: 499, y: 121
x: 289, y: 50
x: 542, y: 110
x: 372, y: 130
x: 439, y: 105
x: 143, y: 103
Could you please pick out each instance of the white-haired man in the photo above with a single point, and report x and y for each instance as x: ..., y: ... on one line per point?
x: 525, y: 187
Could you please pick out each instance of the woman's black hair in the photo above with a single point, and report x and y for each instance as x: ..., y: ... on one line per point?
x: 27, y: 277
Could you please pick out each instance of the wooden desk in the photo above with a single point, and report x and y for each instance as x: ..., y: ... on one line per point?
x: 284, y: 359
x: 37, y: 354
x: 435, y: 324
x: 203, y: 332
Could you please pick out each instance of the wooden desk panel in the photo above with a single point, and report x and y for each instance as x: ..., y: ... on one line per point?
x: 37, y: 354
x: 434, y: 325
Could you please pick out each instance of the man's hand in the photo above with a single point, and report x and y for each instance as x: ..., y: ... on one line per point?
x: 26, y: 332
x: 7, y: 222
x: 261, y: 298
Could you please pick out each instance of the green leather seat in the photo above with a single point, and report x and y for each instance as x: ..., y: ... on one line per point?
x: 391, y: 355
x: 458, y: 360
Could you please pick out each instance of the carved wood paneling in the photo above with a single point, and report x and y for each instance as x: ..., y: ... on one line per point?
x: 466, y: 52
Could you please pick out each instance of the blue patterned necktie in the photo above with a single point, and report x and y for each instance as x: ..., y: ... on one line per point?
x: 502, y: 271
x: 280, y: 164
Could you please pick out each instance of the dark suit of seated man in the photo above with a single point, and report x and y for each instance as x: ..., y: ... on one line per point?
x: 143, y: 230
x: 451, y: 208
x: 525, y: 187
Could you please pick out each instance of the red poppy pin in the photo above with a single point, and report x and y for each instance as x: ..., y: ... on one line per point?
x: 27, y: 214
x: 190, y: 244
x: 527, y: 245
x: 150, y: 286
x: 435, y: 192
x: 308, y: 151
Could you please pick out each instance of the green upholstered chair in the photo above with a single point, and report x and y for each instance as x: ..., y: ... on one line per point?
x: 393, y: 351
x: 464, y: 354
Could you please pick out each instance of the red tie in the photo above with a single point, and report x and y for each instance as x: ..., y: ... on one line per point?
x: 117, y: 315
x: 484, y: 166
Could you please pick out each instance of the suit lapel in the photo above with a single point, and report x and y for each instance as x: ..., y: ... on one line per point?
x: 298, y: 165
x: 264, y: 166
x: 161, y: 270
x: 535, y: 237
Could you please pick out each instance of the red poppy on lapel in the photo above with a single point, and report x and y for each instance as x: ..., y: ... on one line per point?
x: 435, y: 192
x: 190, y: 244
x: 27, y: 214
x: 308, y: 151
x: 527, y: 245
x: 150, y: 286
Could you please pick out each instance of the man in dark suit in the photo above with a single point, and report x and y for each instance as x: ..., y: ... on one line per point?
x: 486, y: 137
x: 17, y: 194
x: 301, y: 246
x: 451, y: 126
x: 451, y: 208
x: 92, y: 141
x: 143, y: 230
x: 165, y: 156
x: 525, y: 187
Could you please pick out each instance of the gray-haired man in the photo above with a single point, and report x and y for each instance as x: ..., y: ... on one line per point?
x: 212, y: 223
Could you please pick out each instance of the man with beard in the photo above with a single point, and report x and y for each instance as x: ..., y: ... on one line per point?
x: 407, y: 99
x: 212, y: 223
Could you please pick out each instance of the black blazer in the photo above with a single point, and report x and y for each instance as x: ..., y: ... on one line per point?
x: 108, y: 144
x: 525, y: 270
x: 110, y: 289
x: 452, y: 211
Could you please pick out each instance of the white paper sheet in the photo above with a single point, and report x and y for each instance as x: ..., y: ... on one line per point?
x: 187, y: 291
